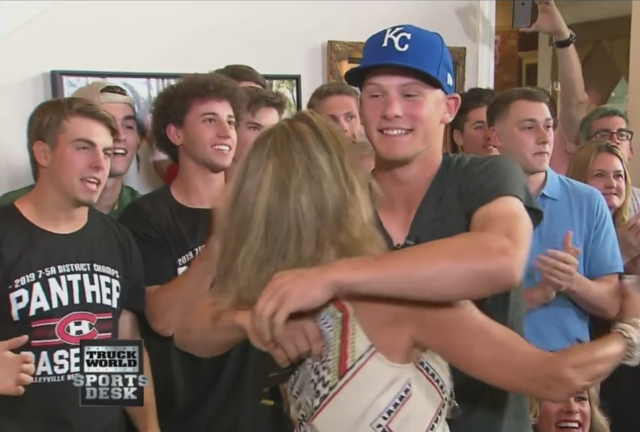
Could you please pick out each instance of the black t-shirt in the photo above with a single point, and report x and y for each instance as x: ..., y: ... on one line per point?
x: 62, y: 288
x: 463, y: 184
x: 619, y: 400
x: 620, y: 407
x: 193, y: 394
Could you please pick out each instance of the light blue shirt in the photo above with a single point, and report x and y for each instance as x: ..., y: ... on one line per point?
x: 569, y: 205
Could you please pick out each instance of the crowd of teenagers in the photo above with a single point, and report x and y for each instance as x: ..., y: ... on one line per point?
x: 333, y: 271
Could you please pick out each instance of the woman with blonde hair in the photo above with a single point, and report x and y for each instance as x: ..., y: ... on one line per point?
x: 602, y: 165
x: 580, y: 413
x: 300, y: 200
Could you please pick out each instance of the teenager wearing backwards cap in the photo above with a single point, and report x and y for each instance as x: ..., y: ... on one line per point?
x: 116, y: 101
x: 375, y: 371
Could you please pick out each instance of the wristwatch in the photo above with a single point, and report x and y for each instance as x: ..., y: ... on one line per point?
x: 565, y: 43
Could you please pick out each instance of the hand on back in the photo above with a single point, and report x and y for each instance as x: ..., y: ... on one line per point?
x: 300, y: 338
x: 290, y: 293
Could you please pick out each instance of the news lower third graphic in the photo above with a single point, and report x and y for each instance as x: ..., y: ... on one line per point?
x: 111, y: 373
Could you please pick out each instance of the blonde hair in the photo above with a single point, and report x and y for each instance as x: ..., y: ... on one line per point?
x: 299, y: 199
x: 599, y: 422
x: 580, y: 170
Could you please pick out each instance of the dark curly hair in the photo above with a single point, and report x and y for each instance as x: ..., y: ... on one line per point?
x: 174, y: 103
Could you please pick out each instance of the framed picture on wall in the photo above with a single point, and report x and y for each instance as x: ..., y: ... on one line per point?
x: 290, y: 86
x: 144, y: 87
x: 344, y: 55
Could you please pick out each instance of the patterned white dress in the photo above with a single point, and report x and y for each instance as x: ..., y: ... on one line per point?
x: 356, y: 389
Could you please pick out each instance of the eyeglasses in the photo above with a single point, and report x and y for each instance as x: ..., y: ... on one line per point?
x: 621, y: 134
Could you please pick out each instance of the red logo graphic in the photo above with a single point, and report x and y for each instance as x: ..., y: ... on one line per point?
x: 71, y: 329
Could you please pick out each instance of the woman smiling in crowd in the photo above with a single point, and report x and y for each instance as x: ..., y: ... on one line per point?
x: 579, y: 413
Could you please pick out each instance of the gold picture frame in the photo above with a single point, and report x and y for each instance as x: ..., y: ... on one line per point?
x: 344, y: 55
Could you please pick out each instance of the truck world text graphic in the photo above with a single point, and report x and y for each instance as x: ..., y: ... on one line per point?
x: 112, y: 373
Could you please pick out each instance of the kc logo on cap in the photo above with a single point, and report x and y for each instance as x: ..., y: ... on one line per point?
x: 396, y: 35
x: 407, y: 47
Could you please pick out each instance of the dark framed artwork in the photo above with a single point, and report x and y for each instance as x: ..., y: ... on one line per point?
x: 344, y: 55
x: 289, y: 86
x: 144, y: 87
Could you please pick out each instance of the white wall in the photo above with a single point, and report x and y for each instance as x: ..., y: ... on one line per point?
x: 577, y: 12
x: 276, y: 37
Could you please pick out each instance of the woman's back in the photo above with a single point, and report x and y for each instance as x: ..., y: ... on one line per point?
x: 300, y: 199
x: 354, y: 388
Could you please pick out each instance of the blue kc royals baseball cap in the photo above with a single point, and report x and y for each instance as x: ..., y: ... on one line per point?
x: 407, y: 47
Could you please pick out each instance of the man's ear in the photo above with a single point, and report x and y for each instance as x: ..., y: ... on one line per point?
x: 457, y: 138
x: 42, y: 153
x: 174, y: 134
x: 496, y: 140
x: 452, y: 106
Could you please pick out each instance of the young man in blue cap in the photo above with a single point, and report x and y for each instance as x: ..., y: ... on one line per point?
x: 468, y: 220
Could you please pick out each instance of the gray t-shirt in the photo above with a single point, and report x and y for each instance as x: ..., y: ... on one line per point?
x: 463, y: 184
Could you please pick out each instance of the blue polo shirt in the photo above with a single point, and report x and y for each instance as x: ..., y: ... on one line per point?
x: 569, y: 205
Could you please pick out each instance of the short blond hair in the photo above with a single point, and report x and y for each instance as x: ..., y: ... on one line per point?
x: 337, y: 88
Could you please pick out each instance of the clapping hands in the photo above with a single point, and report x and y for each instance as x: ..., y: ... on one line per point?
x: 560, y: 268
x: 629, y: 238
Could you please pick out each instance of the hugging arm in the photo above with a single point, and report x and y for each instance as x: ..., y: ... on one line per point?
x: 457, y: 268
x: 490, y: 352
x: 502, y: 216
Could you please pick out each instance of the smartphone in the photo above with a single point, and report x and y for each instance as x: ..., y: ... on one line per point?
x: 522, y: 13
